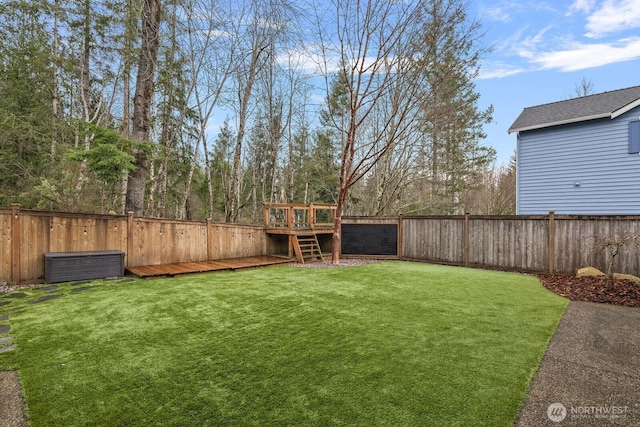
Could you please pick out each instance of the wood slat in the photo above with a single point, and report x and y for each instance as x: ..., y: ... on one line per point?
x: 176, y: 269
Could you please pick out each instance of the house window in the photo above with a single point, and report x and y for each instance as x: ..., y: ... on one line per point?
x: 634, y: 137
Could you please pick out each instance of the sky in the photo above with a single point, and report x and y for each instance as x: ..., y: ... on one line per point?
x: 543, y: 49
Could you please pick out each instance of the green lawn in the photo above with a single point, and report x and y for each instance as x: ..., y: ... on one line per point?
x: 385, y: 344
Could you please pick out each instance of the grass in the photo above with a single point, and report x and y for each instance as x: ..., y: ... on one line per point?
x: 384, y: 344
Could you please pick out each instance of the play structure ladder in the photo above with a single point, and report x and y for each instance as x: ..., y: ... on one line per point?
x: 306, y: 247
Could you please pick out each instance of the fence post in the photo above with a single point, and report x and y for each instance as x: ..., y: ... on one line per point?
x: 312, y: 216
x: 15, y: 243
x: 552, y: 240
x: 290, y: 217
x: 129, y: 262
x: 400, y: 236
x: 266, y: 214
x: 209, y: 240
x: 466, y: 239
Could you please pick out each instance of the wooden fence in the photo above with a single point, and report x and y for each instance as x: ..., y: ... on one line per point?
x: 26, y: 235
x: 536, y: 243
x: 539, y: 243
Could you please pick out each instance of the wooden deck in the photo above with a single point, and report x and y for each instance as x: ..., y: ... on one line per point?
x: 169, y: 270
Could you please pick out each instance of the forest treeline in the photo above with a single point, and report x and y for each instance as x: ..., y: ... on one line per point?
x: 198, y: 109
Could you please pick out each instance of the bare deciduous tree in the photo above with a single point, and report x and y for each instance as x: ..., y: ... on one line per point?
x: 255, y: 41
x: 584, y: 88
x: 376, y: 44
x: 495, y: 194
x: 262, y: 26
x: 612, y: 246
x: 212, y: 46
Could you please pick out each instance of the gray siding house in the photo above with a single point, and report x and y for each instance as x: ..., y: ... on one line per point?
x: 580, y: 156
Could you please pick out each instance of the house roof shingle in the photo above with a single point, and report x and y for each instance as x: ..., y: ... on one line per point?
x: 601, y: 105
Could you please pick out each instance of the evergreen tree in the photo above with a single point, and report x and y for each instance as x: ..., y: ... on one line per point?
x: 323, y: 170
x: 26, y: 107
x: 451, y: 119
x: 221, y: 161
x: 297, y: 167
x: 323, y: 163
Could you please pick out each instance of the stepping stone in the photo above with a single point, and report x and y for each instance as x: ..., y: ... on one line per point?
x: 85, y: 288
x: 80, y: 282
x: 16, y: 295
x: 5, y: 340
x: 50, y: 288
x: 4, y: 303
x: 13, y: 310
x: 125, y: 280
x: 4, y: 317
x: 7, y: 349
x: 44, y: 298
x: 4, y: 329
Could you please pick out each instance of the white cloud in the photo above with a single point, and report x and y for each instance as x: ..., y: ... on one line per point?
x: 584, y: 6
x: 505, y: 11
x: 528, y: 48
x: 300, y: 60
x: 496, y: 13
x: 580, y: 56
x: 499, y: 70
x: 612, y: 17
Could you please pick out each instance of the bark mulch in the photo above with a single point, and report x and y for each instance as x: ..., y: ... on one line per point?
x: 593, y: 289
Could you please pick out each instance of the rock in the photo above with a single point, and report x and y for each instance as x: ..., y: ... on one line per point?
x: 629, y: 277
x: 590, y: 271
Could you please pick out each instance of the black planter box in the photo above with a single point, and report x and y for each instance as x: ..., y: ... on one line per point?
x: 70, y: 266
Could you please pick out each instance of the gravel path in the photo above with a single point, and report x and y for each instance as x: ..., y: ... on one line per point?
x: 11, y: 403
x: 349, y: 262
x: 6, y: 288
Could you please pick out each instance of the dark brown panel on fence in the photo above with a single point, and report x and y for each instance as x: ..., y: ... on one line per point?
x: 369, y: 239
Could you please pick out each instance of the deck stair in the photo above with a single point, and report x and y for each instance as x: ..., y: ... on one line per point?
x: 307, y: 248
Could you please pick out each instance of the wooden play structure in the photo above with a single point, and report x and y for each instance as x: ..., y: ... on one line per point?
x: 308, y: 228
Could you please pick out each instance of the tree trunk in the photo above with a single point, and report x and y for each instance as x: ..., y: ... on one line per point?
x: 166, y: 133
x: 184, y: 205
x: 84, y: 92
x: 142, y: 104
x: 126, y: 101
x: 336, y: 241
x: 55, y: 98
x: 207, y: 167
x: 233, y: 186
x: 232, y: 209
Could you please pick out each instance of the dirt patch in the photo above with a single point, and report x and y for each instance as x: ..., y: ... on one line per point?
x: 349, y: 262
x: 593, y: 289
x: 11, y: 403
